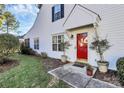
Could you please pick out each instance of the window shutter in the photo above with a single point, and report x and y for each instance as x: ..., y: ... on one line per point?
x: 52, y: 14
x: 62, y: 10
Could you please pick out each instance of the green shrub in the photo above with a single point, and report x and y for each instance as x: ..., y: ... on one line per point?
x: 120, y: 69
x: 9, y: 44
x: 1, y: 61
x: 26, y: 50
x: 44, y: 55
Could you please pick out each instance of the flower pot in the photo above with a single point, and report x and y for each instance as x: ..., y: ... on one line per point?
x: 103, y: 66
x: 63, y: 58
x: 89, y: 72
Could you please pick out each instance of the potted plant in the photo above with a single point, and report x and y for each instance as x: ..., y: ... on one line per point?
x: 89, y: 70
x: 100, y: 46
x: 66, y: 45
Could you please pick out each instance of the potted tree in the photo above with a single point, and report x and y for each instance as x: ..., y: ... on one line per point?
x: 66, y: 45
x: 89, y: 70
x: 100, y: 46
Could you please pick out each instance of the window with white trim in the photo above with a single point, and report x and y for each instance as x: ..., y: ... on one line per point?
x: 57, y: 12
x: 57, y: 43
x: 36, y: 43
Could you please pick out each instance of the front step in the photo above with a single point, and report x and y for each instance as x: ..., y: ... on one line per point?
x: 82, y: 61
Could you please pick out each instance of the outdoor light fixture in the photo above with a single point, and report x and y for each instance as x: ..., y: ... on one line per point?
x: 72, y: 36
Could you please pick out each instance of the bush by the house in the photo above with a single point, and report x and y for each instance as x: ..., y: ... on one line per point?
x: 26, y: 50
x: 9, y: 44
x: 120, y: 69
x: 44, y: 55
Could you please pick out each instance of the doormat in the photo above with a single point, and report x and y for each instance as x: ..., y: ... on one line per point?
x: 77, y: 64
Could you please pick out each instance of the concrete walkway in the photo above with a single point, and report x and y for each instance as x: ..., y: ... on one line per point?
x: 76, y: 77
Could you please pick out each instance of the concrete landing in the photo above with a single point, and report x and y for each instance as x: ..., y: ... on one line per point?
x: 76, y: 77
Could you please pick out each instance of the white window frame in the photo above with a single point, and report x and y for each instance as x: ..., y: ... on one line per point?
x: 36, y: 43
x: 57, y: 43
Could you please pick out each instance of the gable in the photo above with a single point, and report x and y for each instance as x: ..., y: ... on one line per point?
x: 79, y: 17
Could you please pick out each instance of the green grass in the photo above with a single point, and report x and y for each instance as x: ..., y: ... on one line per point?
x: 30, y: 73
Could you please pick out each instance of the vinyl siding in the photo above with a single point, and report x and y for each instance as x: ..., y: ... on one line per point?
x: 111, y: 25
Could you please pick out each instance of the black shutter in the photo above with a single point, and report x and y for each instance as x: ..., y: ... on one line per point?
x: 52, y: 14
x: 62, y: 10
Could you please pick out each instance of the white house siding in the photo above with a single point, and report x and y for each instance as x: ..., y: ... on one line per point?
x: 44, y: 28
x: 111, y: 25
x: 79, y: 17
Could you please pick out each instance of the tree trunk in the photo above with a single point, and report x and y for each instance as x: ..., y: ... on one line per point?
x: 99, y: 49
x: 101, y: 56
x: 7, y: 29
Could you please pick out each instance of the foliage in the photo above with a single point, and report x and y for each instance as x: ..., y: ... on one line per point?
x: 26, y: 50
x: 2, y: 8
x: 9, y: 44
x: 7, y: 20
x: 100, y: 46
x: 89, y: 67
x: 120, y: 69
x: 66, y: 44
x: 10, y: 22
x: 44, y: 55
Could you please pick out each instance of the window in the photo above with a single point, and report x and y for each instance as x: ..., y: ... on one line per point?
x: 36, y: 43
x: 57, y: 43
x: 27, y: 43
x: 54, y: 43
x: 57, y: 12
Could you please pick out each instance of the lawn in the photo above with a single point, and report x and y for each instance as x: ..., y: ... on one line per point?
x: 30, y: 73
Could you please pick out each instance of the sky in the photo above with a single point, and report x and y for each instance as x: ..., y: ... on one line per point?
x: 25, y: 14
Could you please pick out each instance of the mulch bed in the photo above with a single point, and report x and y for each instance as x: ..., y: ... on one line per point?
x: 110, y: 76
x: 8, y: 65
x: 51, y: 63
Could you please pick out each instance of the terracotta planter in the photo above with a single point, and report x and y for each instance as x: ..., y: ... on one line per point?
x: 103, y: 66
x: 63, y: 58
x: 89, y: 72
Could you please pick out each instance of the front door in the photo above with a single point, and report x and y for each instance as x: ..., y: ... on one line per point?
x: 82, y: 42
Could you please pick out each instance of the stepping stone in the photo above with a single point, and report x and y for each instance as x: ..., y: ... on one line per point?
x: 76, y: 79
x: 60, y: 72
x: 95, y: 83
x: 71, y: 76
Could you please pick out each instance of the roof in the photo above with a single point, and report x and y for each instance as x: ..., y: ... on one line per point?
x: 67, y: 16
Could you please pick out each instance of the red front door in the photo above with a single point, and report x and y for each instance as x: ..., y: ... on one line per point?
x: 82, y: 46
